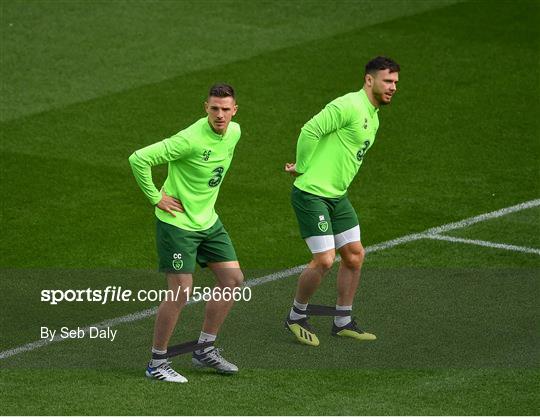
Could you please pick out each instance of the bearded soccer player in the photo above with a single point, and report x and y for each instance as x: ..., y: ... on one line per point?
x: 188, y: 228
x: 330, y: 151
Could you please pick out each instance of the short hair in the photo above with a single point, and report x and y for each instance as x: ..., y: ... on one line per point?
x: 221, y: 90
x: 381, y: 63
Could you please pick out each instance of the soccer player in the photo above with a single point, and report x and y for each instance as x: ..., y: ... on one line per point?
x: 330, y: 150
x: 188, y: 228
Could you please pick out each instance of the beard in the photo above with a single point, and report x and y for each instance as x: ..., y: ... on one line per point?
x: 380, y: 97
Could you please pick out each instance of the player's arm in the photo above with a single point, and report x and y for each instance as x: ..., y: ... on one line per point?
x: 334, y: 116
x: 162, y: 152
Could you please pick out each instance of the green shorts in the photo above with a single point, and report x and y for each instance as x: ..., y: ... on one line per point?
x: 319, y: 215
x: 179, y: 249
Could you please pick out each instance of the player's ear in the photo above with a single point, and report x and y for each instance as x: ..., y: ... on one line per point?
x: 206, y: 106
x: 235, y: 109
x: 368, y: 79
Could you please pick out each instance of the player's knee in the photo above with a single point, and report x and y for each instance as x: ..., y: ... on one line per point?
x: 355, y: 258
x: 233, y: 279
x: 238, y: 278
x: 324, y: 261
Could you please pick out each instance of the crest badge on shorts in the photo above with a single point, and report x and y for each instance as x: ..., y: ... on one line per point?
x: 323, y: 225
x: 178, y: 264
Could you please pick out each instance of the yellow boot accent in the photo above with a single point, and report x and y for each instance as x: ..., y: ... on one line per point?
x: 302, y: 334
x: 362, y: 336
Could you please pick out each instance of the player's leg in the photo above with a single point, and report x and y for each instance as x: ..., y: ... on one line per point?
x: 352, y: 258
x: 229, y: 277
x: 352, y: 254
x: 176, y: 250
x: 166, y: 319
x: 308, y: 282
x: 311, y: 277
x: 315, y: 227
x: 169, y: 309
x: 217, y: 252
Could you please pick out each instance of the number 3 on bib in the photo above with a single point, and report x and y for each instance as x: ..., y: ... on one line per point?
x: 217, y: 177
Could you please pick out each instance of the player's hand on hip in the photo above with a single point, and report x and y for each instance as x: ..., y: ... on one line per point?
x: 291, y: 169
x: 170, y: 204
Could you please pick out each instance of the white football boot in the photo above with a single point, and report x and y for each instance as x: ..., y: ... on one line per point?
x: 213, y: 359
x: 165, y: 373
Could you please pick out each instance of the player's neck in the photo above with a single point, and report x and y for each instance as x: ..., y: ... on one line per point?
x: 371, y: 98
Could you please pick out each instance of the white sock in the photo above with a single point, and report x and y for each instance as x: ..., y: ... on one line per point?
x: 341, y: 321
x: 155, y: 362
x: 204, y: 337
x: 295, y: 316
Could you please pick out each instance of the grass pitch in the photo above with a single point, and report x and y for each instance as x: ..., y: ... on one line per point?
x: 457, y: 324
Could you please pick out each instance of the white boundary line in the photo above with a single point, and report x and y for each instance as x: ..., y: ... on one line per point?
x: 430, y: 233
x: 483, y: 217
x: 490, y: 244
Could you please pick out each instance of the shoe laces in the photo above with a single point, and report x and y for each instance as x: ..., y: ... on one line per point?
x: 166, y: 366
x: 353, y: 325
x: 216, y: 355
x: 303, y: 322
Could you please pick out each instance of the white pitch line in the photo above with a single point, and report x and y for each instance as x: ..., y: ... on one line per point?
x: 483, y: 217
x: 152, y: 311
x: 289, y: 272
x: 498, y: 245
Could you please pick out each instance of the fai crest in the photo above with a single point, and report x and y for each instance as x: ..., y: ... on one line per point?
x: 178, y: 264
x: 323, y: 226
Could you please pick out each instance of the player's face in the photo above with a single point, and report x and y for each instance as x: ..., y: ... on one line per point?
x: 383, y: 85
x: 220, y: 112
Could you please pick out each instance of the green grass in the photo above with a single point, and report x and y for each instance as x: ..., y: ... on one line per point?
x: 83, y: 86
x: 435, y: 140
x: 128, y: 43
x: 309, y: 392
x: 450, y: 341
